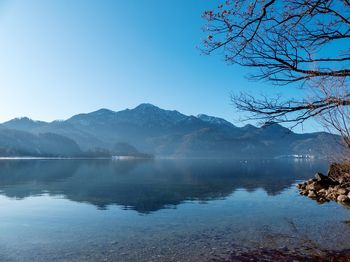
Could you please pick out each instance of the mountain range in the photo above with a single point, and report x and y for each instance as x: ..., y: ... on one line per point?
x: 149, y: 130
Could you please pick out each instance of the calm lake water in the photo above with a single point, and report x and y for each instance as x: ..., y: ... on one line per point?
x: 162, y: 210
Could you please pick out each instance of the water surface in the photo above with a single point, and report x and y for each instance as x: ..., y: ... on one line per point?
x: 162, y: 210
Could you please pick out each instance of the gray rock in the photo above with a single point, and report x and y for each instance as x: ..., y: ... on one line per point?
x: 319, y: 185
x: 342, y: 198
x: 321, y: 200
x: 322, y: 191
x: 312, y: 194
x: 331, y: 189
x: 300, y: 186
x: 304, y: 192
x: 324, y: 181
x: 320, y: 177
x: 343, y: 191
x: 332, y: 196
x: 310, y: 186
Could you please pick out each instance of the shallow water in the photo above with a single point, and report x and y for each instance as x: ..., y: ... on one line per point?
x: 162, y: 210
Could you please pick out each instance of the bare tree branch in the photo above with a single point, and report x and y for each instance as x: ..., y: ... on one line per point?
x: 288, y: 41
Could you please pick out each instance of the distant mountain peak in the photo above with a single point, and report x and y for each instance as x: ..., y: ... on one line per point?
x: 249, y: 126
x: 103, y: 111
x: 274, y: 128
x: 191, y: 118
x: 214, y: 120
x: 273, y: 125
x: 23, y: 123
x: 146, y: 106
x: 24, y: 118
x: 21, y: 119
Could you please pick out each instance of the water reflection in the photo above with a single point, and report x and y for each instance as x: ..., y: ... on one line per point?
x: 148, y: 186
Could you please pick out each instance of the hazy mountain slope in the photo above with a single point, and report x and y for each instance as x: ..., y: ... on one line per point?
x: 85, y: 139
x: 319, y: 144
x: 21, y: 143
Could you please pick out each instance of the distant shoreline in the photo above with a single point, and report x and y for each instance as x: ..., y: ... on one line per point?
x: 49, y: 158
x: 69, y: 158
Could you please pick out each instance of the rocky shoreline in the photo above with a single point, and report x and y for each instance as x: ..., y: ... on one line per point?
x: 333, y: 187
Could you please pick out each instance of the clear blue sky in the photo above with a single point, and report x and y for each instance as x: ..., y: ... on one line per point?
x: 62, y: 57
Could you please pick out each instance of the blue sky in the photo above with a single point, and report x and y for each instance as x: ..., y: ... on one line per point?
x: 62, y: 57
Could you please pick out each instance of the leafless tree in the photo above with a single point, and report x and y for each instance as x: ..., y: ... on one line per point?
x: 304, y: 43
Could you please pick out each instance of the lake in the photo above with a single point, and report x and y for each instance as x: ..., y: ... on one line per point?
x: 164, y: 210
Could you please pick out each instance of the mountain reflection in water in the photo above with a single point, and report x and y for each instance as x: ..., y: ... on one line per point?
x: 148, y: 185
